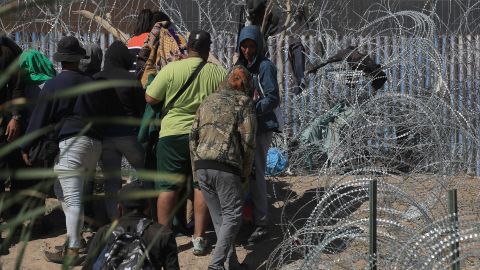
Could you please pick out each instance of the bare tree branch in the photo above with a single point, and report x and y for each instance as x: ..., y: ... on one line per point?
x: 268, y: 10
x: 289, y: 14
x: 105, y: 24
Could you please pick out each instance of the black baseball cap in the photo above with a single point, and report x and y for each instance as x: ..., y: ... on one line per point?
x: 199, y: 41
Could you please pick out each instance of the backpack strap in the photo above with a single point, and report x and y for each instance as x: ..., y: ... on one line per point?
x: 143, y: 225
x: 182, y: 90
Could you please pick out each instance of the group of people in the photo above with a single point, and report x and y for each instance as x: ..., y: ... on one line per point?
x: 215, y: 131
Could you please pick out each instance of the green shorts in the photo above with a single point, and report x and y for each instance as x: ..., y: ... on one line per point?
x: 173, y: 163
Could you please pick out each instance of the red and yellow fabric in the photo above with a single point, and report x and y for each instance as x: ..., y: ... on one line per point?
x: 161, y: 47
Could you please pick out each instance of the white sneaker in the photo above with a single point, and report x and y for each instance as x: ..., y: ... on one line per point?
x: 199, y: 246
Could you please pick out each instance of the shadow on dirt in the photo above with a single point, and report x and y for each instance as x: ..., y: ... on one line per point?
x: 290, y: 211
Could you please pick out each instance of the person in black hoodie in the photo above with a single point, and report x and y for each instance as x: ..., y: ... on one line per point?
x: 11, y: 121
x: 79, y: 144
x: 90, y: 65
x: 120, y: 139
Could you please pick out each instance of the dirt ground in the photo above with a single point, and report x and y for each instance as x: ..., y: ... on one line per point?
x: 255, y: 256
x: 298, y: 192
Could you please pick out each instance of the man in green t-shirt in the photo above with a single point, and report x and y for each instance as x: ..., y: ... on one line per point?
x: 173, y: 153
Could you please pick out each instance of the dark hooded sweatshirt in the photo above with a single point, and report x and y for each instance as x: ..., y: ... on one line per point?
x: 70, y: 115
x: 128, y: 101
x: 92, y: 63
x: 14, y: 88
x: 264, y: 73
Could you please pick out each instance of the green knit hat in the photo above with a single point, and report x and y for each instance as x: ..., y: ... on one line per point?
x: 37, y: 67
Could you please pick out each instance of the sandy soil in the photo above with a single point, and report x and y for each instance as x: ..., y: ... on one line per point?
x: 255, y: 256
x: 297, y: 192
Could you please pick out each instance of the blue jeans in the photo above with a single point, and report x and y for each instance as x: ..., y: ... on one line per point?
x: 113, y: 148
x: 76, y: 162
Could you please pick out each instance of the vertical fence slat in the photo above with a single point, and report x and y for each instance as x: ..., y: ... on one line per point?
x: 455, y: 243
x: 411, y: 66
x: 369, y: 51
x: 33, y: 44
x: 286, y: 83
x: 18, y: 39
x: 51, y: 44
x: 477, y: 87
x: 372, y: 228
x: 111, y: 39
x: 311, y: 85
x: 43, y: 43
x: 434, y: 67
x: 103, y: 42
x: 403, y: 67
x: 319, y: 89
x: 395, y: 60
x: 304, y: 40
x: 386, y: 56
x: 362, y: 43
x: 420, y: 74
x: 468, y: 102
x: 452, y: 87
x: 430, y: 70
x: 444, y: 58
x: 460, y: 94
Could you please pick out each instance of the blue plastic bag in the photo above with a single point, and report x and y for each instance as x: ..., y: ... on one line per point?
x: 277, y: 162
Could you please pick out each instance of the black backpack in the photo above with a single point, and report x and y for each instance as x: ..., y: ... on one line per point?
x: 44, y: 150
x: 125, y: 250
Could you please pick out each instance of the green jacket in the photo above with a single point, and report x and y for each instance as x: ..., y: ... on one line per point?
x: 223, y: 133
x: 316, y: 131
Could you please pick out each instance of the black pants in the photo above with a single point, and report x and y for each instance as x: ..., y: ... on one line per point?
x: 9, y: 164
x: 296, y: 55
